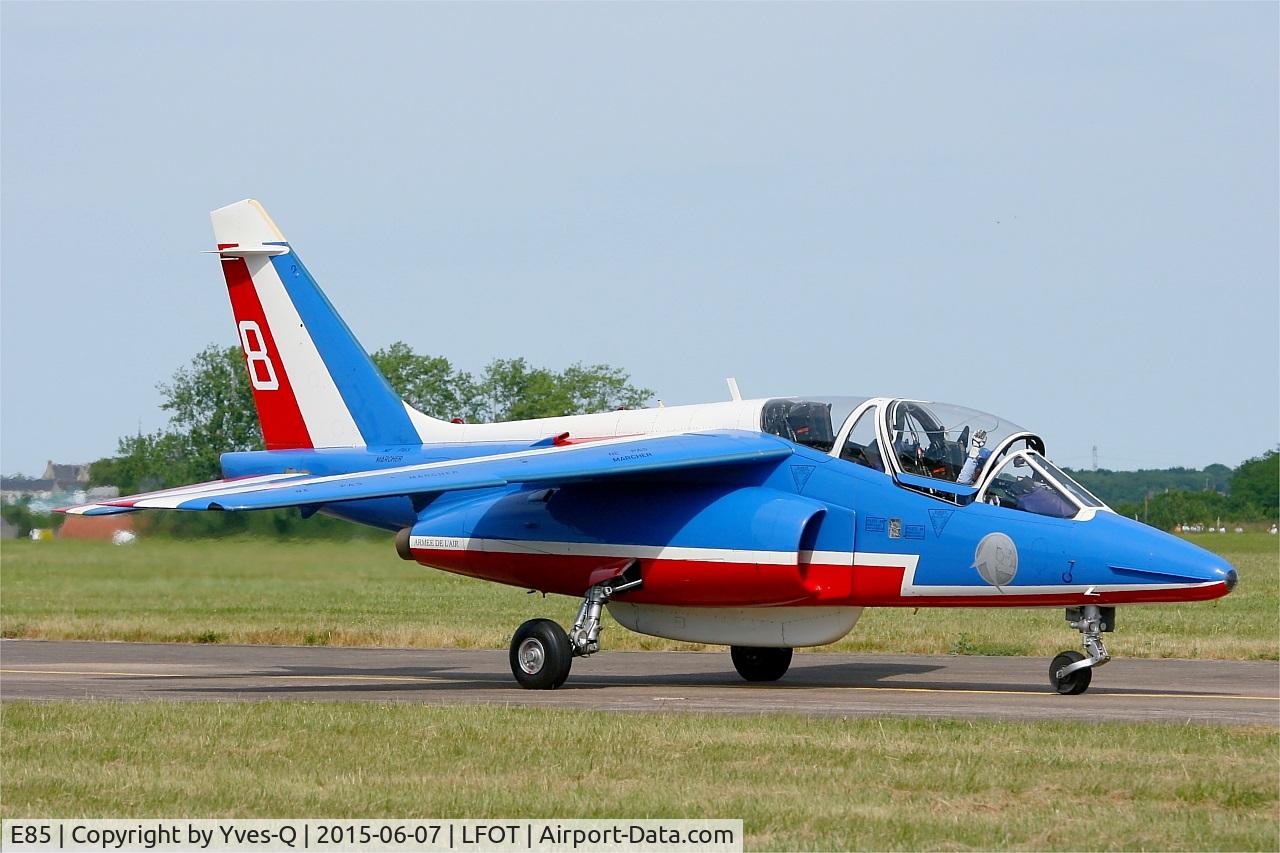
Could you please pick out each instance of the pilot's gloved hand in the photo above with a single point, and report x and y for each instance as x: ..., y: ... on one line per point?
x: 976, y: 443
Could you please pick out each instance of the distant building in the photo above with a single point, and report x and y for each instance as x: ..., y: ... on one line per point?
x: 17, y: 488
x: 67, y: 477
x: 8, y: 530
x: 60, y: 484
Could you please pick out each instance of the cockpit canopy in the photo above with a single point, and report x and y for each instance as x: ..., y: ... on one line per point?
x: 813, y: 422
x: 950, y: 452
x: 933, y: 439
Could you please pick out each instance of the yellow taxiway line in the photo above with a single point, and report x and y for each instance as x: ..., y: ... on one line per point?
x: 226, y: 675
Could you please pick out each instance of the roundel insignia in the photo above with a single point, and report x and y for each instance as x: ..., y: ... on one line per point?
x: 996, y: 559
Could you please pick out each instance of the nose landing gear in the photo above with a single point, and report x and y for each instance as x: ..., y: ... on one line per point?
x: 1071, y: 672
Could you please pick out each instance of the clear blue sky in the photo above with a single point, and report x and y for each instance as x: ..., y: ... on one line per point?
x: 1063, y: 213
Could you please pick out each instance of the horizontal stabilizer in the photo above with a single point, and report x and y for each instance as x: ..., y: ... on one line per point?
x: 545, y: 465
x: 236, y: 251
x: 213, y: 487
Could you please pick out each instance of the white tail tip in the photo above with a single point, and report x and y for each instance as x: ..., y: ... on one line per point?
x: 245, y: 223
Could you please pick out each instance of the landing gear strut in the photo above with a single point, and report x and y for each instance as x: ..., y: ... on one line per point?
x: 542, y: 653
x: 1071, y: 672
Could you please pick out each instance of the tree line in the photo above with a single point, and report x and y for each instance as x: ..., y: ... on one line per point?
x: 211, y: 411
x: 1252, y: 495
x: 1116, y: 487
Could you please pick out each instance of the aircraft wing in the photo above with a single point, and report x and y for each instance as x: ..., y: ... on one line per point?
x: 573, y: 463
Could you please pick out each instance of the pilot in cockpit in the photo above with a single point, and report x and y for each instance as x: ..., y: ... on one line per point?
x: 978, y: 454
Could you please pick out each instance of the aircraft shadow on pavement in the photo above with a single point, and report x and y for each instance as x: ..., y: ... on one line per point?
x: 600, y: 673
x: 281, y: 681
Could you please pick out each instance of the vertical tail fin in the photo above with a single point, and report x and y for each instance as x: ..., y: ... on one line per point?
x: 313, y: 384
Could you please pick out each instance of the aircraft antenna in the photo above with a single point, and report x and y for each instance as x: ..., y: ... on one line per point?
x: 734, y: 394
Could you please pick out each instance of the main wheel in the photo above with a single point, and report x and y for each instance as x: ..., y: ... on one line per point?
x: 1073, y: 683
x: 540, y: 655
x: 755, y: 663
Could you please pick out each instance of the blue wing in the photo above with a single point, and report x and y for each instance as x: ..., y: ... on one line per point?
x: 548, y: 465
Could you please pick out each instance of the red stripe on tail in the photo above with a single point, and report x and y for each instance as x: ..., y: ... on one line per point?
x: 282, y: 425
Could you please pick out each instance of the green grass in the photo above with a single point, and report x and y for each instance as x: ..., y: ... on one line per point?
x: 361, y: 593
x: 797, y: 783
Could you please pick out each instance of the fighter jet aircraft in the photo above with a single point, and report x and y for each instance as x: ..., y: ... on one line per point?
x: 760, y: 524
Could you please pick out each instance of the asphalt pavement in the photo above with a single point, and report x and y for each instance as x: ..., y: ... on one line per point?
x: 828, y: 684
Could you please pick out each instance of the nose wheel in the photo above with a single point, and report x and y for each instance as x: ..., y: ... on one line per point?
x: 1071, y: 672
x: 1073, y: 682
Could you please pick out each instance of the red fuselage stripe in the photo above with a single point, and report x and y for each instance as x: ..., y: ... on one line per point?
x: 739, y: 584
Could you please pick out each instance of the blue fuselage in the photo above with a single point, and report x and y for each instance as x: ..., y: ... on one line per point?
x: 812, y: 529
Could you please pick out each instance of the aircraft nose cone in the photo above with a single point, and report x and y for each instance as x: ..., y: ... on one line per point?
x: 1222, y: 571
x: 1140, y: 554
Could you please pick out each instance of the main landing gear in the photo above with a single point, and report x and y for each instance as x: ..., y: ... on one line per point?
x: 757, y: 663
x: 542, y: 653
x: 1071, y: 672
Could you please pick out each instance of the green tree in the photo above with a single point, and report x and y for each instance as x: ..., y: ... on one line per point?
x: 211, y: 408
x: 429, y: 383
x: 1257, y: 482
x: 211, y: 412
x: 1117, y: 487
x: 19, y: 514
x: 599, y: 388
x: 145, y: 463
x: 512, y: 390
x: 1172, y: 508
x: 1255, y: 493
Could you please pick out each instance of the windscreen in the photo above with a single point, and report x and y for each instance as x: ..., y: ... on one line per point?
x: 1078, y: 491
x: 1018, y: 485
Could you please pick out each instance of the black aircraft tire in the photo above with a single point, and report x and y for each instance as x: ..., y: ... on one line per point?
x: 540, y: 655
x: 755, y: 663
x: 1075, y: 683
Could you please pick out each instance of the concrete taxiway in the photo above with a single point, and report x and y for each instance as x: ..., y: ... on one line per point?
x: 1011, y: 688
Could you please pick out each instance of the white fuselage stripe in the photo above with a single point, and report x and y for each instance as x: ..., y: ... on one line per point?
x: 325, y: 413
x: 906, y: 562
x: 595, y: 549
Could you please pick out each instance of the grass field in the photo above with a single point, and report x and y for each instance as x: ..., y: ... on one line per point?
x: 797, y: 783
x: 361, y: 593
